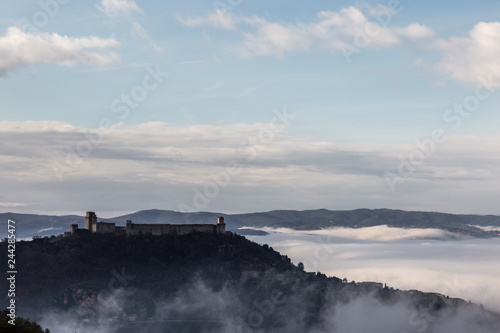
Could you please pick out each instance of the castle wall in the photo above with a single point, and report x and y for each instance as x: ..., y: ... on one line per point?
x: 154, y: 229
x: 184, y: 229
x: 104, y: 228
x: 165, y: 229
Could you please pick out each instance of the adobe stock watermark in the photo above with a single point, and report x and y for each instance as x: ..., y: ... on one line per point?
x: 121, y: 106
x: 250, y: 149
x: 365, y: 35
x: 48, y: 10
x: 117, y: 282
x: 31, y: 26
x: 453, y: 118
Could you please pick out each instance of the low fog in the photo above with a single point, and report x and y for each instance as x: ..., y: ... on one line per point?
x: 198, y: 308
x: 375, y: 233
x: 427, y: 260
x: 424, y: 259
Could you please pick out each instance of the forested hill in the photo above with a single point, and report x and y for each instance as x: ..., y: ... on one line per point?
x: 203, y: 282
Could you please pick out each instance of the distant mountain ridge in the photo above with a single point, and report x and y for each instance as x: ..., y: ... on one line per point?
x: 30, y: 225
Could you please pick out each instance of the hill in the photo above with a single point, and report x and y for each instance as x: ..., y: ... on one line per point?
x: 204, y: 282
x: 465, y: 225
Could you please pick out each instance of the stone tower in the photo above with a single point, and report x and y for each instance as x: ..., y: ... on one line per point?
x: 221, y: 226
x: 90, y: 221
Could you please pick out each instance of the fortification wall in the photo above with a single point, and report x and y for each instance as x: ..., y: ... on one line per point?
x: 155, y: 229
x: 184, y: 229
x: 104, y: 228
x: 165, y: 229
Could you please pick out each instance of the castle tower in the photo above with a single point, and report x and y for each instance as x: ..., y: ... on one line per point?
x: 90, y: 221
x: 74, y: 228
x: 221, y: 226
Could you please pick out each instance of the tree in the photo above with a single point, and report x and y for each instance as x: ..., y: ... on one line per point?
x: 300, y: 265
x: 21, y: 325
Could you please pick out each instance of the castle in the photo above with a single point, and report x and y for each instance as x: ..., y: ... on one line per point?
x: 92, y: 226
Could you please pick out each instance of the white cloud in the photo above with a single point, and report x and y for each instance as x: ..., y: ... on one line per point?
x: 473, y: 59
x: 274, y: 39
x: 48, y: 229
x: 415, y: 31
x: 353, y: 25
x: 487, y: 228
x: 347, y: 25
x: 119, y: 7
x: 12, y: 204
x: 218, y: 18
x: 20, y: 49
x: 138, y: 31
x: 382, y: 233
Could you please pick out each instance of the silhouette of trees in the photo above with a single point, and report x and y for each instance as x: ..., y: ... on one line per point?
x: 22, y: 325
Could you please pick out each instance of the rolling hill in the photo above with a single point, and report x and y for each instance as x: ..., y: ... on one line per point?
x: 466, y: 225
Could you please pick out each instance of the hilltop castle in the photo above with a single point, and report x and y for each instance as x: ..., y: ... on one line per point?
x: 92, y: 226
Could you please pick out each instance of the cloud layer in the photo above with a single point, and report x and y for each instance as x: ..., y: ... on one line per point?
x: 382, y: 233
x: 466, y: 269
x: 236, y: 168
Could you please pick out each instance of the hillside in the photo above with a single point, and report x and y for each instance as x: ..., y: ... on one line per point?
x: 465, y: 225
x: 185, y: 283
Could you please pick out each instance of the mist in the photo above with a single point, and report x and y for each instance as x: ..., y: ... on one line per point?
x: 267, y: 308
x: 423, y: 259
x: 408, y: 259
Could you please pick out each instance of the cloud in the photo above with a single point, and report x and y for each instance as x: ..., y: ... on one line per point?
x: 218, y: 18
x: 12, y: 204
x: 119, y: 7
x: 138, y: 31
x: 474, y: 58
x: 20, y: 49
x: 487, y: 228
x: 331, y: 30
x: 459, y: 268
x: 382, y: 233
x: 415, y: 31
x: 48, y: 229
x: 133, y: 166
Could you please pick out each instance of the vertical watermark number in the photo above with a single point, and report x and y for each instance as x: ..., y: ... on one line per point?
x: 11, y: 271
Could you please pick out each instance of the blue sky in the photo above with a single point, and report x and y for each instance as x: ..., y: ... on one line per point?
x: 121, y: 105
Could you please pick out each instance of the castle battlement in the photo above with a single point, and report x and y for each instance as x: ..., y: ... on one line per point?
x: 92, y: 226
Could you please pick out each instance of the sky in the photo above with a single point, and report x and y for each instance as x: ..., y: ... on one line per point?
x: 240, y: 106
